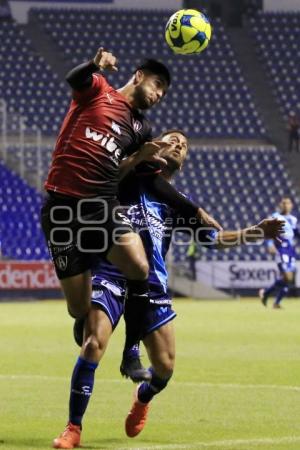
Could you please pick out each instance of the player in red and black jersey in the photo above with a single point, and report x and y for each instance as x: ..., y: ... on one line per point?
x: 82, y: 218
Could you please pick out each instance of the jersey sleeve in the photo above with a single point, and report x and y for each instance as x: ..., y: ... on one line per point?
x: 99, y: 85
x: 202, y: 235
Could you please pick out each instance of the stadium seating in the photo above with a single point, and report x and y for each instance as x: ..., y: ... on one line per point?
x: 239, y: 186
x: 209, y: 96
x: 27, y: 83
x: 36, y: 162
x: 20, y: 231
x: 277, y: 36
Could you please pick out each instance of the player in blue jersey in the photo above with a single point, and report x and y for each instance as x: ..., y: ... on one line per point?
x: 285, y: 255
x: 155, y: 222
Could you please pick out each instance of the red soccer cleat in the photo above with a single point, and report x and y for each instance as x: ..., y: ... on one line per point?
x: 137, y: 416
x: 69, y: 438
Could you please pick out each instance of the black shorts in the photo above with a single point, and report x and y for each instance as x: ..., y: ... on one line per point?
x: 78, y: 231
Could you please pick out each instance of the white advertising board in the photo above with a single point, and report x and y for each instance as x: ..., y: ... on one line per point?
x: 239, y: 274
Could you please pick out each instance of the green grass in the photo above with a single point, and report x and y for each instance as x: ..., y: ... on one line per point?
x: 234, y: 388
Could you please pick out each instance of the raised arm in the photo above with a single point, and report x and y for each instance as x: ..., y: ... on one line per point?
x: 81, y: 77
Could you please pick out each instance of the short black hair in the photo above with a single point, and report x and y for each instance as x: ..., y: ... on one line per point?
x: 155, y: 67
x: 173, y: 130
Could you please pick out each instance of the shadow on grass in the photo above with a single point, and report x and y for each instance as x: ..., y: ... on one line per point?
x: 101, y: 444
x: 122, y: 443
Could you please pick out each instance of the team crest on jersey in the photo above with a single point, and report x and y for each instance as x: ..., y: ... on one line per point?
x: 61, y: 262
x: 137, y: 126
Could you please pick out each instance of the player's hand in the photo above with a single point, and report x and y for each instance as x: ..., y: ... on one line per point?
x: 272, y: 228
x: 207, y: 220
x: 150, y: 152
x: 105, y: 60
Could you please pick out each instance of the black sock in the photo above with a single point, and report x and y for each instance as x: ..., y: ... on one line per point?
x: 136, y: 304
x: 147, y: 391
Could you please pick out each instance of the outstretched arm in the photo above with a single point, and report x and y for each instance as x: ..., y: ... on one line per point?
x: 266, y: 229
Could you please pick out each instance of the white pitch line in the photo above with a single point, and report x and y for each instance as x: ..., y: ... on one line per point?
x: 176, y: 383
x: 220, y: 444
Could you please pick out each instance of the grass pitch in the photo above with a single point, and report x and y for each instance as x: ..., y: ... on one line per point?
x: 236, y: 384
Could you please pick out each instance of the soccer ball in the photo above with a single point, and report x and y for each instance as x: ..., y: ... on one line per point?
x: 188, y: 31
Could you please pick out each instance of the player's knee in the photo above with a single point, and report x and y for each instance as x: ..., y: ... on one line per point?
x: 78, y: 311
x: 92, y: 347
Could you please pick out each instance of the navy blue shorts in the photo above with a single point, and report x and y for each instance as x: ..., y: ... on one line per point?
x: 286, y: 263
x: 110, y: 298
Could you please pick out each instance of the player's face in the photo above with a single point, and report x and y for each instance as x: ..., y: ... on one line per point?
x: 176, y: 153
x: 286, y: 206
x: 149, y: 90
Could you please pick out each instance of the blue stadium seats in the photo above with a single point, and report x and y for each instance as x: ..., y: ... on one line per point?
x: 20, y: 231
x: 277, y: 36
x: 27, y: 83
x: 208, y: 97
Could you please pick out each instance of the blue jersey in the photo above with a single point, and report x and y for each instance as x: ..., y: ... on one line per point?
x: 286, y: 254
x: 155, y: 223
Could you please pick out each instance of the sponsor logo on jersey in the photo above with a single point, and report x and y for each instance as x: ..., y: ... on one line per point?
x: 107, y: 142
x: 137, y: 126
x: 116, y: 128
x: 123, y: 219
x: 141, y: 217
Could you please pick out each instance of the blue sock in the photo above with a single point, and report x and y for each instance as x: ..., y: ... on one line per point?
x: 275, y: 285
x: 82, y: 384
x: 283, y: 291
x: 147, y: 390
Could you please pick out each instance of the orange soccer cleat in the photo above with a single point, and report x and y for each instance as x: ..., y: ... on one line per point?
x: 69, y: 438
x: 137, y: 416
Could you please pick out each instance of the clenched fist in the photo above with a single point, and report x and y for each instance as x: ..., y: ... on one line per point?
x: 105, y: 60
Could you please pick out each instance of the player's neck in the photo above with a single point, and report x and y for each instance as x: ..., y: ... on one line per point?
x: 127, y: 92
